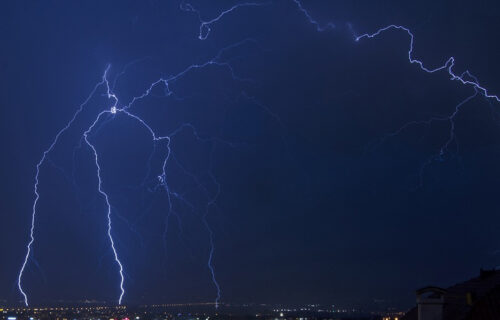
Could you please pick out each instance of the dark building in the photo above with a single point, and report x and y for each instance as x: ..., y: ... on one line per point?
x: 474, y: 299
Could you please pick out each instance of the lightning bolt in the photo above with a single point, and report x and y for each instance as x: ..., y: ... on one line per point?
x: 319, y: 27
x: 117, y: 109
x: 106, y: 198
x: 444, y: 148
x: 448, y: 65
x: 111, y: 113
x: 206, y: 24
x: 37, y: 195
x: 466, y: 78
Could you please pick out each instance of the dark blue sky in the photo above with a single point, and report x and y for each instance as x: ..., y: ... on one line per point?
x: 315, y: 207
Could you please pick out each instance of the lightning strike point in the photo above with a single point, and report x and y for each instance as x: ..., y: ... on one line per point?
x: 113, y: 110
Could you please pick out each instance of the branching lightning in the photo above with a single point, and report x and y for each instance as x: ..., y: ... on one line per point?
x: 319, y: 27
x: 205, y: 24
x: 113, y: 111
x: 37, y: 195
x: 465, y: 78
x: 117, y: 109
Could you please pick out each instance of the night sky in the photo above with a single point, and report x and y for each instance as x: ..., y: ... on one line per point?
x: 318, y: 202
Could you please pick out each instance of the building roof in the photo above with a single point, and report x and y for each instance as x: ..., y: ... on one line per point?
x: 477, y: 298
